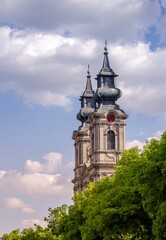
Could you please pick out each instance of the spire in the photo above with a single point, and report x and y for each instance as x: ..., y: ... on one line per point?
x: 106, y: 93
x: 88, y: 88
x: 106, y: 64
x: 87, y: 102
x: 106, y: 70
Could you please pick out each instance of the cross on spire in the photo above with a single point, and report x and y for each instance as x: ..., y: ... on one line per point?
x: 105, y: 48
x: 88, y: 88
x: 88, y: 71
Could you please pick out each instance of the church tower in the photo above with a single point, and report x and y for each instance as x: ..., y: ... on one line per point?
x: 100, y: 139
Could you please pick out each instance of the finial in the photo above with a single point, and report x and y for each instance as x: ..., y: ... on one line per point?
x: 105, y: 48
x: 88, y: 71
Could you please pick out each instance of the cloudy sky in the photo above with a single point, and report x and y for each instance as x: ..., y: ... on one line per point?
x: 45, y: 48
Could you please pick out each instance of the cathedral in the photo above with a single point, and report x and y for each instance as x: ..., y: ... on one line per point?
x: 100, y: 138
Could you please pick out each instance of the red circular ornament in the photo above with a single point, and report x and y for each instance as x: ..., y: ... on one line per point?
x: 110, y: 118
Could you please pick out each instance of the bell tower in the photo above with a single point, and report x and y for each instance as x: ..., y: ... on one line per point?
x: 82, y: 135
x: 102, y: 133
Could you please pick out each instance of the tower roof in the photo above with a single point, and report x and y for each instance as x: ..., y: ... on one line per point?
x: 87, y: 102
x: 106, y: 70
x: 88, y: 89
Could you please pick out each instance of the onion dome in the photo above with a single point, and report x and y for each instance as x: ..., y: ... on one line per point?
x: 106, y: 92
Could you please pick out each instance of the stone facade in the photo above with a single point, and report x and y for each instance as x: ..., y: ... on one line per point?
x: 100, y: 139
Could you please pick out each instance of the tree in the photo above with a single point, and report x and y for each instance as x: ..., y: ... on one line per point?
x: 152, y: 178
x: 14, y: 235
x: 56, y: 216
x: 131, y: 205
x: 37, y: 233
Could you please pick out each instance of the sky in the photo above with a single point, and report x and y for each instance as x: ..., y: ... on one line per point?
x: 45, y: 48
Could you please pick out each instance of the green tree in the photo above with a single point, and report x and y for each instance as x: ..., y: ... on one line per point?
x: 152, y: 181
x: 131, y: 205
x: 128, y: 206
x: 14, y: 235
x: 55, y: 217
x: 159, y: 224
x: 37, y: 233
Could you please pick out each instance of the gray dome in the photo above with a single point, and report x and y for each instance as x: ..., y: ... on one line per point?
x: 106, y: 92
x: 84, y: 113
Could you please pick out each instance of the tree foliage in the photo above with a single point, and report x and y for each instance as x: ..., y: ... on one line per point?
x: 131, y: 205
x: 37, y: 233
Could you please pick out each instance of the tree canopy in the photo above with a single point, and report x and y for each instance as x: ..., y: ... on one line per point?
x: 130, y: 205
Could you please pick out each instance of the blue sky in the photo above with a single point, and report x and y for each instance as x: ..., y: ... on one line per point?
x: 46, y: 47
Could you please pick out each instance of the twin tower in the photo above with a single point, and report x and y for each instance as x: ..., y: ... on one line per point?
x: 100, y: 139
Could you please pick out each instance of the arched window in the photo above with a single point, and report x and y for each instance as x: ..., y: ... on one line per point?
x: 111, y: 140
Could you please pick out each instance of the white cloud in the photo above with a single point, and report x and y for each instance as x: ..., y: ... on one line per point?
x: 29, y: 223
x: 53, y: 162
x: 156, y: 136
x: 33, y: 65
x: 163, y: 3
x: 44, y: 67
x: 38, y: 187
x: 2, y: 173
x: 135, y: 143
x: 39, y: 184
x: 39, y: 74
x: 142, y: 77
x: 16, y: 203
x: 120, y: 19
x: 33, y: 166
x: 37, y: 179
x: 139, y: 144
